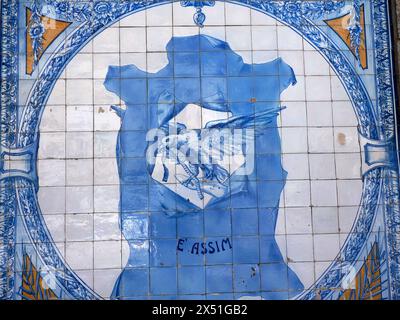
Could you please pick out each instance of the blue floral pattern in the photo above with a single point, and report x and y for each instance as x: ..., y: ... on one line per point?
x: 36, y: 31
x: 355, y: 28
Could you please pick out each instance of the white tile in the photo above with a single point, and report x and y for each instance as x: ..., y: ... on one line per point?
x: 79, y: 92
x: 102, y: 96
x: 307, y: 46
x: 79, y: 255
x: 264, y: 56
x: 318, y: 88
x: 294, y: 115
x: 134, y: 20
x: 133, y: 39
x: 298, y: 220
x: 319, y: 114
x: 107, y: 254
x: 79, y: 144
x: 349, y: 192
x: 105, y: 119
x: 79, y: 172
x: 107, y: 41
x: 126, y: 251
x: 259, y: 18
x: 305, y: 272
x: 325, y: 219
x: 60, y: 247
x: 79, y: 199
x: 139, y: 59
x: 237, y: 15
x: 88, y: 48
x: 281, y: 221
x: 193, y: 117
x: 106, y: 198
x: 294, y: 140
x: 157, y: 38
x: 246, y: 55
x: 156, y: 61
x: 264, y: 38
x: 214, y: 31
x: 115, y: 24
x: 295, y: 92
x: 52, y: 145
x: 182, y: 16
x: 105, y: 171
x: 239, y: 37
x: 215, y: 15
x: 105, y: 144
x: 106, y: 226
x: 79, y: 118
x: 300, y: 248
x: 343, y: 114
x: 53, y: 118
x: 102, y: 62
x: 86, y: 276
x: 320, y: 140
x: 338, y: 91
x: 185, y: 31
x: 297, y: 193
x: 159, y: 16
x: 296, y: 165
x: 315, y: 64
x: 346, y: 139
x: 281, y: 242
x: 104, y: 281
x: 52, y: 200
x: 51, y: 172
x: 295, y: 59
x: 58, y: 96
x: 322, y: 166
x: 320, y: 268
x: 56, y: 225
x: 81, y: 67
x: 348, y: 165
x: 323, y: 193
x: 326, y: 247
x: 347, y: 216
x: 288, y: 39
x: 79, y: 227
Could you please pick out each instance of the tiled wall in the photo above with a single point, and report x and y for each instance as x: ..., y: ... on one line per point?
x: 294, y: 214
x: 77, y: 164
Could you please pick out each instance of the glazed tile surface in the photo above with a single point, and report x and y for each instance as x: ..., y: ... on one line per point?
x: 198, y: 150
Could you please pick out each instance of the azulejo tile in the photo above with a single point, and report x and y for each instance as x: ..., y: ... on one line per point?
x: 198, y: 150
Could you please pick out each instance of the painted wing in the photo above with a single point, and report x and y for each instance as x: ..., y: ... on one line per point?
x: 256, y: 120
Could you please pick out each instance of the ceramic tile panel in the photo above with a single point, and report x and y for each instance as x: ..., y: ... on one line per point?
x: 198, y: 150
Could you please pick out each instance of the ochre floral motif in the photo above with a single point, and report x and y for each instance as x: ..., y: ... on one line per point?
x: 33, y: 286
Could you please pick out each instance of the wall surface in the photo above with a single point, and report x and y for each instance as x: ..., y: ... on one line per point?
x: 198, y: 150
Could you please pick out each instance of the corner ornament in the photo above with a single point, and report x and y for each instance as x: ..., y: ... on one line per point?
x: 355, y: 29
x: 199, y: 17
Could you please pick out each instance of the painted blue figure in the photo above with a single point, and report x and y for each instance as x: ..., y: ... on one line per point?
x: 207, y: 231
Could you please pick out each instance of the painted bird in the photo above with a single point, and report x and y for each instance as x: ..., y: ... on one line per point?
x: 198, y: 150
